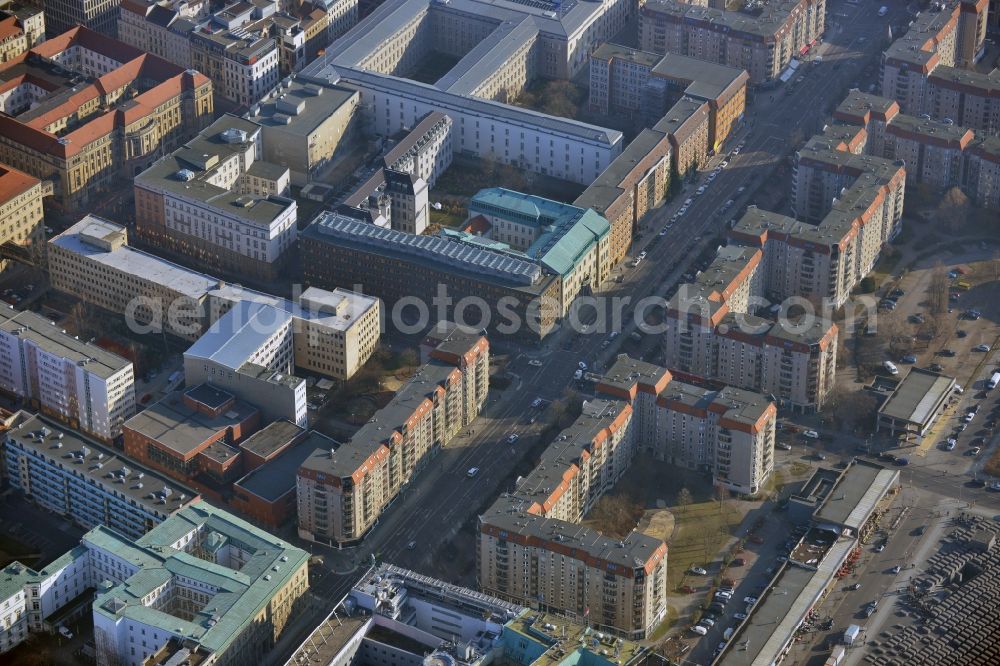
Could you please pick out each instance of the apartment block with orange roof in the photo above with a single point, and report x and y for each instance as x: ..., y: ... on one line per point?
x: 343, y: 489
x: 532, y: 549
x: 85, y: 111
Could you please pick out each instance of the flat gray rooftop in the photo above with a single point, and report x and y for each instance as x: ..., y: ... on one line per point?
x: 35, y: 328
x: 852, y: 499
x: 277, y: 477
x: 101, y: 465
x: 918, y: 396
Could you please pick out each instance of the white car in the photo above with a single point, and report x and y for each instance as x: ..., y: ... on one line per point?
x: 582, y: 365
x: 981, y: 348
x: 663, y: 231
x: 698, y: 629
x: 750, y: 600
x: 724, y: 164
x: 995, y: 485
x: 642, y: 255
x: 739, y: 616
x: 697, y: 571
x: 741, y: 189
x: 701, y: 190
x: 472, y: 472
x: 536, y: 403
x: 535, y: 363
x: 950, y: 444
x: 811, y: 434
x: 512, y: 438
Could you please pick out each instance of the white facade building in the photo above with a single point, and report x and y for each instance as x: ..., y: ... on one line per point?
x: 80, y: 383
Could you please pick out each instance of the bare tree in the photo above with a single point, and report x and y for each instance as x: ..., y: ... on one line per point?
x: 954, y: 209
x: 937, y: 290
x: 616, y: 515
x: 684, y: 499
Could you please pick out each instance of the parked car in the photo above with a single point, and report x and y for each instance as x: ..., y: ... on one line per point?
x: 698, y: 629
x: 896, y: 569
x: 909, y: 358
x: 981, y: 348
x: 536, y: 403
x: 535, y: 363
x: 738, y: 562
x: 697, y: 571
x: 811, y: 434
x: 879, y: 548
x: 902, y: 462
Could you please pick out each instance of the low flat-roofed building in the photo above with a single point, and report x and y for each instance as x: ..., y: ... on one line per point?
x: 77, y: 382
x: 268, y: 493
x: 848, y: 503
x: 176, y: 435
x: 88, y: 483
x: 915, y: 403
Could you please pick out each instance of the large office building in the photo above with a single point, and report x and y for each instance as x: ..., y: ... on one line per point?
x: 249, y: 352
x: 333, y: 332
x: 202, y: 585
x: 397, y: 267
x: 929, y: 70
x: 623, y: 80
x: 83, y: 110
x: 342, y: 490
x: 761, y: 40
x: 98, y: 15
x: 618, y: 585
x: 572, y: 243
x: 425, y: 151
x: 937, y: 154
x: 215, y: 202
x: 77, y: 382
x: 304, y: 124
x: 82, y: 480
x: 500, y: 48
x: 392, y: 610
x: 21, y: 231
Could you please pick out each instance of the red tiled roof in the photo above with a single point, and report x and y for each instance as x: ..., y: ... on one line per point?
x: 14, y: 182
x: 9, y: 28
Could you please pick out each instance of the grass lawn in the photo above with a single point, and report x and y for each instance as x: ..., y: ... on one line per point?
x: 446, y: 219
x: 992, y: 466
x: 701, y: 532
x: 668, y: 622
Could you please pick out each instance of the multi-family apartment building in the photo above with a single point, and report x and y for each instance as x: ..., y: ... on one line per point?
x: 340, y: 251
x: 937, y: 154
x: 215, y: 202
x: 21, y: 228
x: 425, y: 151
x: 929, y: 69
x: 245, y: 48
x: 500, y: 48
x: 79, y: 383
x: 204, y: 585
x: 531, y: 548
x: 634, y: 183
x: 193, y: 435
x: 304, y: 124
x: 852, y: 204
x: 131, y: 108
x: 623, y: 80
x: 762, y: 42
x: 343, y: 490
x: 687, y: 125
x: 712, y: 330
x: 76, y: 477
